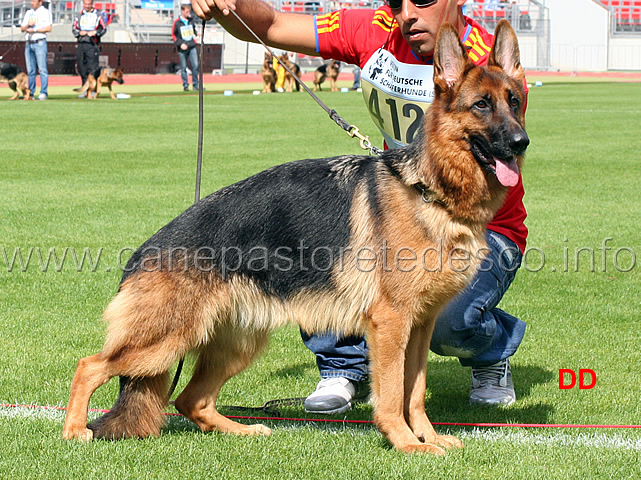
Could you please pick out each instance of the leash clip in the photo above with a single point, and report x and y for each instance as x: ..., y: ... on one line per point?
x: 365, y: 142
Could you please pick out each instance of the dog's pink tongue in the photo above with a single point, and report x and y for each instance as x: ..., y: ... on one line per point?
x: 507, y: 172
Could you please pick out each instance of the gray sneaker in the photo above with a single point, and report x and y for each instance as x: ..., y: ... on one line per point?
x: 336, y: 395
x: 493, y: 385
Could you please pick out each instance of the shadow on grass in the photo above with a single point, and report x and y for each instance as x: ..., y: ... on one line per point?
x: 448, y: 392
x: 447, y: 402
x: 300, y: 370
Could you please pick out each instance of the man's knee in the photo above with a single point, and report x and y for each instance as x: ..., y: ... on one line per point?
x: 465, y: 335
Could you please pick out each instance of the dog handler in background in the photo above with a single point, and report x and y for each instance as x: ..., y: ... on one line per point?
x: 184, y: 34
x: 394, y: 45
x: 88, y: 27
x: 36, y: 24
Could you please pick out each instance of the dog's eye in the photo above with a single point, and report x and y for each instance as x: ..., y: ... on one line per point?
x: 482, y: 104
x: 514, y: 102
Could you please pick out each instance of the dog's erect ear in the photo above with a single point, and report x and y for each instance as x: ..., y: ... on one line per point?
x: 450, y: 58
x: 505, y: 51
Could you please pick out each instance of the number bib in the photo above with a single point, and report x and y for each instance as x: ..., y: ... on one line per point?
x: 187, y: 32
x: 397, y: 95
x: 89, y: 21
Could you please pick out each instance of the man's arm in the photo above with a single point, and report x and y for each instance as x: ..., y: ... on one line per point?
x: 287, y: 31
x: 75, y: 29
x: 101, y: 28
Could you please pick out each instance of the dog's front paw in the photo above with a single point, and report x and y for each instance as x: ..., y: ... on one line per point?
x: 259, y: 429
x: 447, y: 441
x: 82, y: 434
x: 430, y: 448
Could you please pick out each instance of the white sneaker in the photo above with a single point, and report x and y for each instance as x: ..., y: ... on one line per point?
x: 335, y: 395
x: 493, y: 385
x: 42, y: 96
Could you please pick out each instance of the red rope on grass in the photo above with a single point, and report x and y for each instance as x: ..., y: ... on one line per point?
x: 364, y: 422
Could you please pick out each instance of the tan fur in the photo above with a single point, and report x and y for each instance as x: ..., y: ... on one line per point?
x: 93, y: 86
x: 331, y: 73
x: 160, y: 315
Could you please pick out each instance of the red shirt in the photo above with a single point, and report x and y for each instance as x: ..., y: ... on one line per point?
x: 397, y: 84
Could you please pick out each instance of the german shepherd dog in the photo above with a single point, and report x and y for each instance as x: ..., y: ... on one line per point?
x: 104, y: 77
x: 269, y: 74
x: 290, y: 81
x: 317, y: 242
x: 17, y: 80
x: 327, y: 70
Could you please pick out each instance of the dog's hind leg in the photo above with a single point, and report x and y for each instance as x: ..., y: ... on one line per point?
x: 92, y: 372
x: 137, y: 411
x: 415, y: 381
x: 225, y: 356
x: 155, y: 319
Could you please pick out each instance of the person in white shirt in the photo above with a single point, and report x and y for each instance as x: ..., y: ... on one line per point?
x: 36, y: 24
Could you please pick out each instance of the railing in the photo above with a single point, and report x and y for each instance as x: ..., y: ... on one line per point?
x: 626, y: 20
x: 524, y: 16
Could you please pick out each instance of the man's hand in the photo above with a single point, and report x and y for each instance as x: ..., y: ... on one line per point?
x: 205, y: 9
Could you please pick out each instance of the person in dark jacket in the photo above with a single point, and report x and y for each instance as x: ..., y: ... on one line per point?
x: 88, y: 27
x: 184, y: 35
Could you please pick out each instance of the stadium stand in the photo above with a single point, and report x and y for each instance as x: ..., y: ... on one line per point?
x: 626, y: 14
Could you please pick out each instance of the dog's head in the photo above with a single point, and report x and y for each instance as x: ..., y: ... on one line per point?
x: 487, y: 104
x: 117, y: 75
x: 284, y: 59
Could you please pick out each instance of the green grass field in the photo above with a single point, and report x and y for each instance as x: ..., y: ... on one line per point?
x: 98, y: 178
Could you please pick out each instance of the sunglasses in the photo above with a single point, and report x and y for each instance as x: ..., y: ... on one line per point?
x: 396, y: 4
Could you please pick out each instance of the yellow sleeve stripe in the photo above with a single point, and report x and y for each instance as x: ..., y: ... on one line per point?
x: 384, y: 20
x: 478, y: 48
x: 327, y: 22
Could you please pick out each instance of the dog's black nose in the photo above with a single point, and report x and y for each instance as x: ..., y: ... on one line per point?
x: 519, y: 141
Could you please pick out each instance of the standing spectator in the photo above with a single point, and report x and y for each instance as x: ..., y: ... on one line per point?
x: 36, y: 23
x: 88, y: 27
x: 184, y: 35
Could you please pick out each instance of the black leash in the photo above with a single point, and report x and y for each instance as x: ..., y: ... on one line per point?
x: 351, y: 130
x: 199, y: 165
x: 270, y: 407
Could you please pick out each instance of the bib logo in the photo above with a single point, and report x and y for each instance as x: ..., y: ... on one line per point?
x: 573, y: 378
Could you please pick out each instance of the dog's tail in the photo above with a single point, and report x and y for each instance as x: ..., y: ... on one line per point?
x: 82, y: 89
x: 138, y: 410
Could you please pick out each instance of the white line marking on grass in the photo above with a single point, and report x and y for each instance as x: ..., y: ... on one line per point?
x: 593, y: 439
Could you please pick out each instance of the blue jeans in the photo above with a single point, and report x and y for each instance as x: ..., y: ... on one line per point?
x: 192, y: 55
x: 35, y: 55
x: 471, y: 327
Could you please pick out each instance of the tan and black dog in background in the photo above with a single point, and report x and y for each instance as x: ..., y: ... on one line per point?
x: 327, y: 70
x: 103, y: 78
x: 327, y: 244
x: 269, y: 74
x: 290, y: 81
x: 17, y: 80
